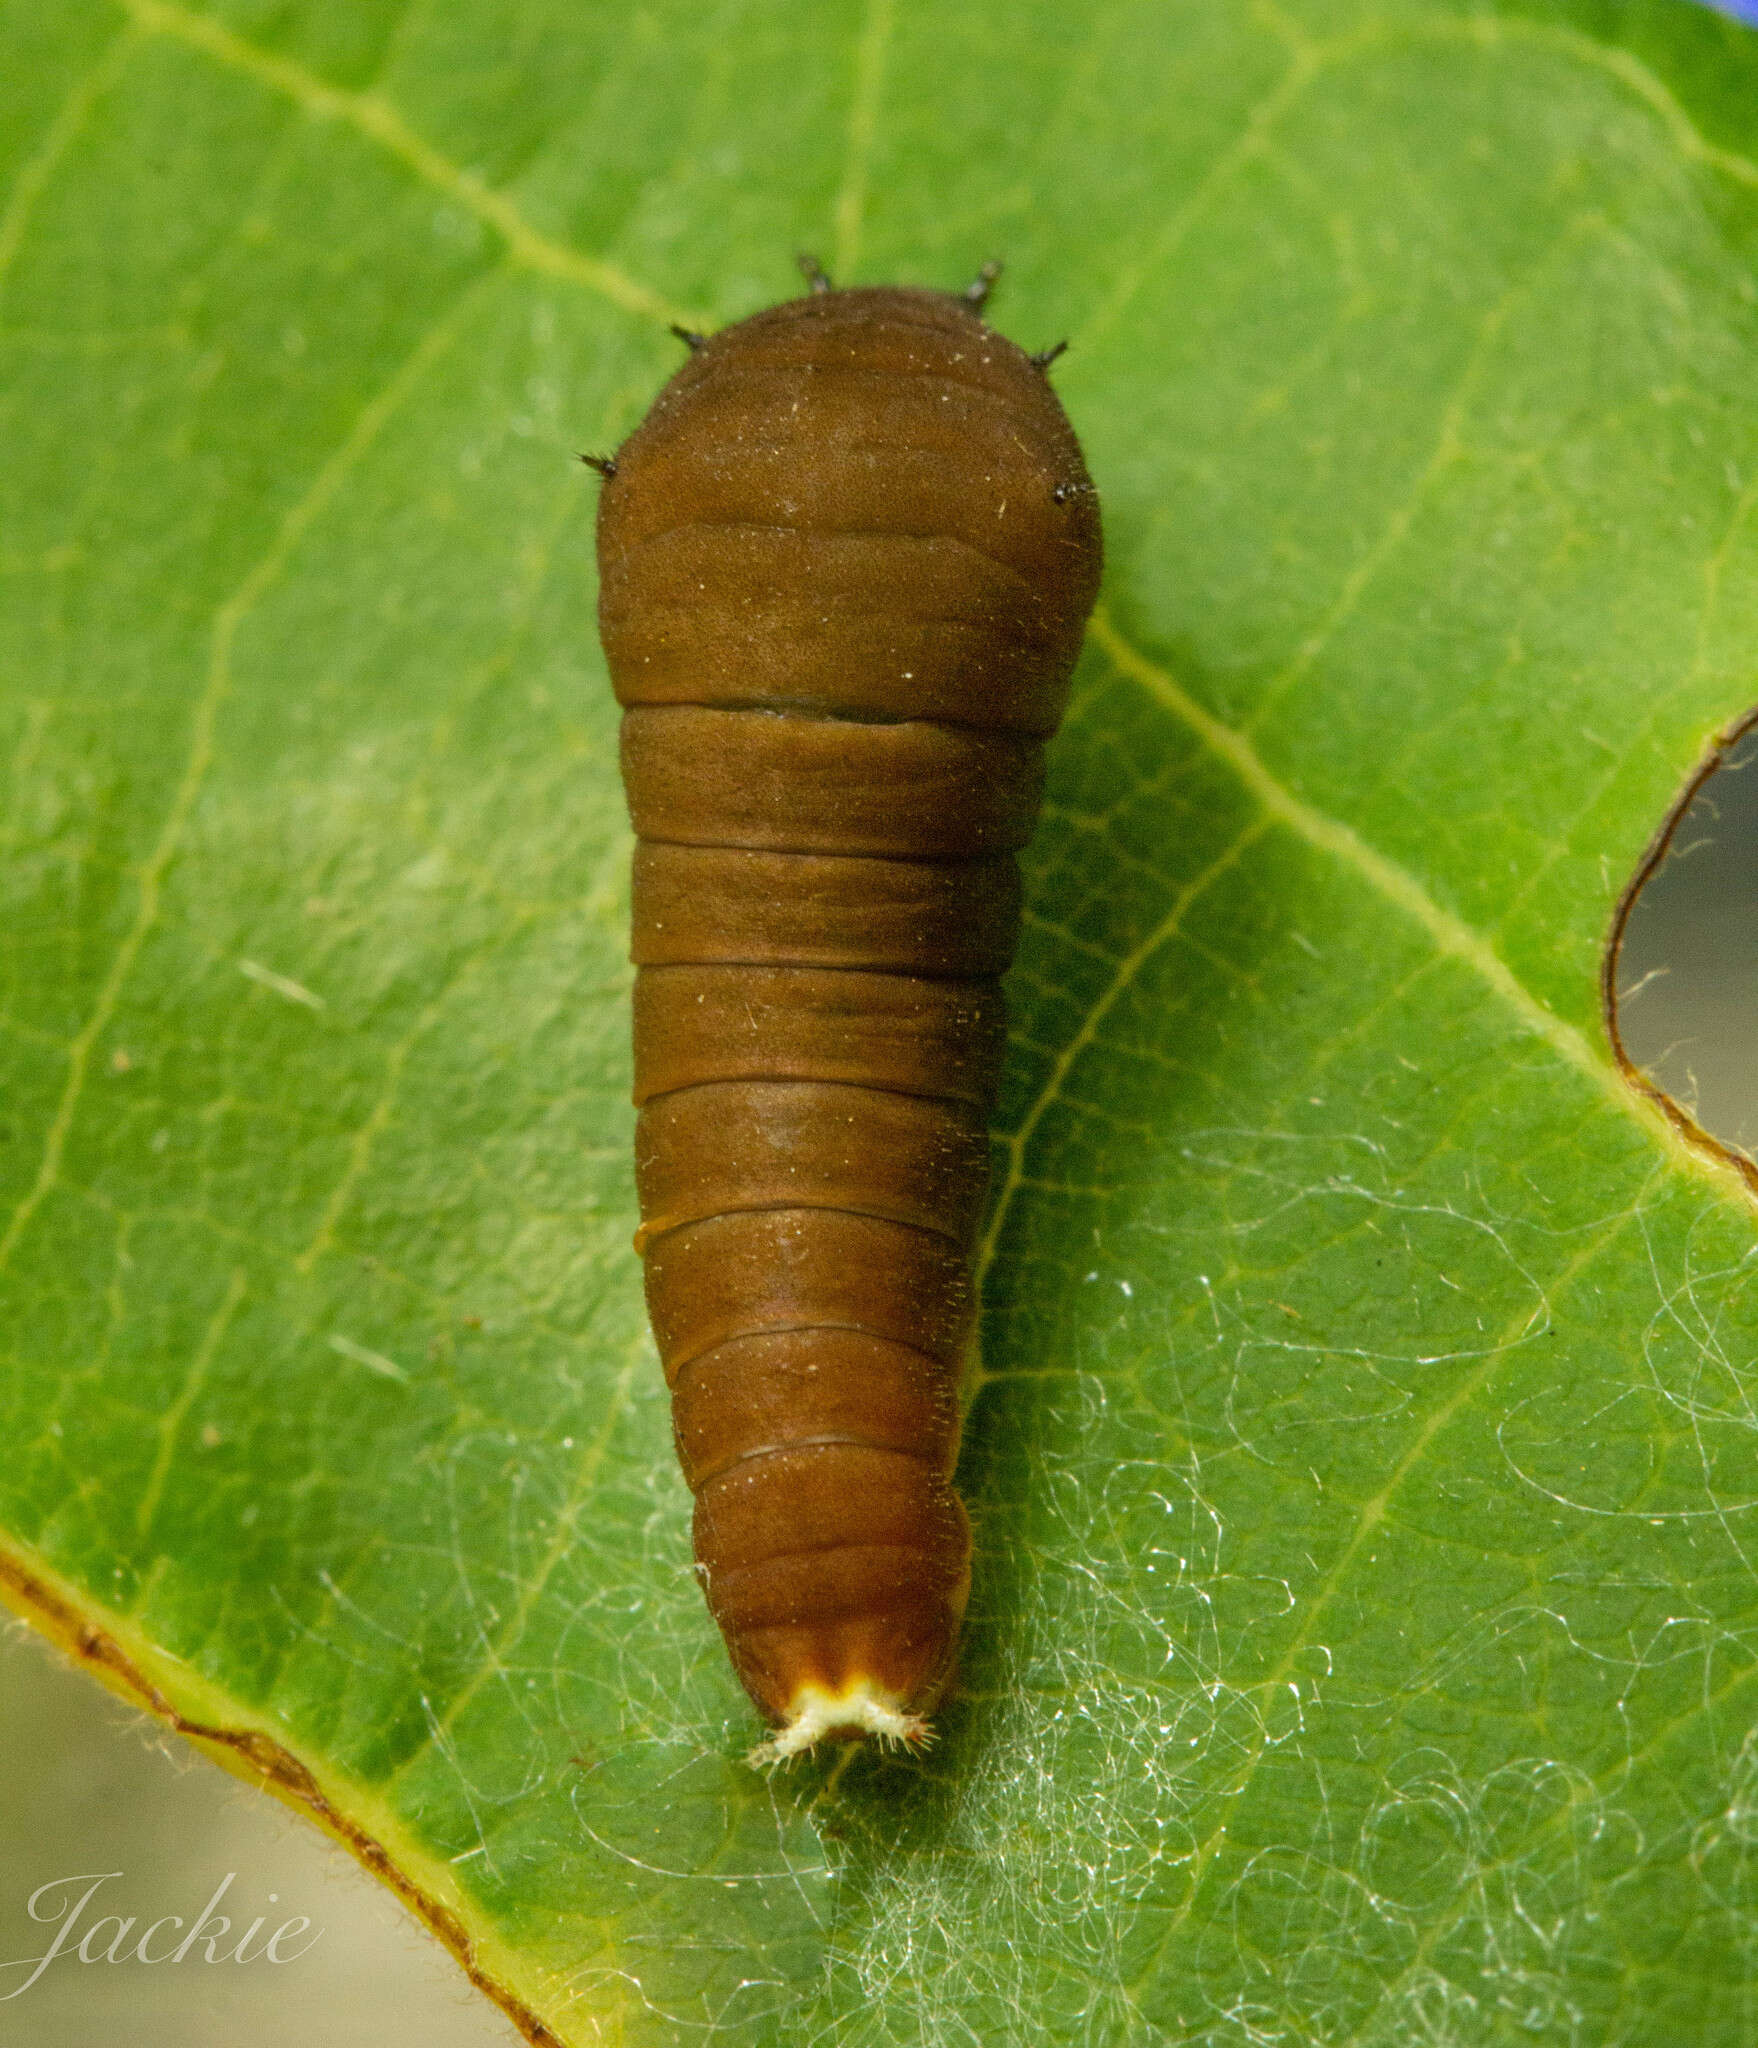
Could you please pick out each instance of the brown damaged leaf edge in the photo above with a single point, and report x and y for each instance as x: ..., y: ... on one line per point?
x: 1659, y: 847
x: 257, y: 1758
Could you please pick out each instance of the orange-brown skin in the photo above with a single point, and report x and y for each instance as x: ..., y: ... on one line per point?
x: 845, y: 564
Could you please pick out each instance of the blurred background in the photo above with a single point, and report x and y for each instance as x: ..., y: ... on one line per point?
x: 1688, y: 981
x: 92, y: 1786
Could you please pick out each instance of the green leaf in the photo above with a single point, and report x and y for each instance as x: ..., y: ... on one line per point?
x: 1362, y: 1456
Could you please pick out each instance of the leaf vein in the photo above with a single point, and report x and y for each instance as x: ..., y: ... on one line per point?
x: 1127, y: 970
x: 863, y: 121
x: 1451, y: 936
x: 1368, y: 1516
x: 373, y: 116
x: 561, y: 1542
x: 58, y: 138
x: 330, y: 476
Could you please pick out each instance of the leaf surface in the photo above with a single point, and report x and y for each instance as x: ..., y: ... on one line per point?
x: 1362, y: 1448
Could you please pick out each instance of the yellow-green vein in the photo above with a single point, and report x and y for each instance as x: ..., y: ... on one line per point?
x: 373, y: 116
x: 863, y: 121
x: 1452, y: 938
x: 297, y: 523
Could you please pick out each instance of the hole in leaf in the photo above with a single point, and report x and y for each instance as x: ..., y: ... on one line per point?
x: 1681, y: 979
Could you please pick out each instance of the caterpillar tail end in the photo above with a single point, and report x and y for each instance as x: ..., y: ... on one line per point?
x: 859, y: 1708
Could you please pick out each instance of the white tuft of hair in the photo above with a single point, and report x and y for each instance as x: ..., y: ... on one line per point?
x: 860, y: 1708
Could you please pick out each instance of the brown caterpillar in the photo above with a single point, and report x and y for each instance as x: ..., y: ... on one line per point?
x: 845, y: 564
